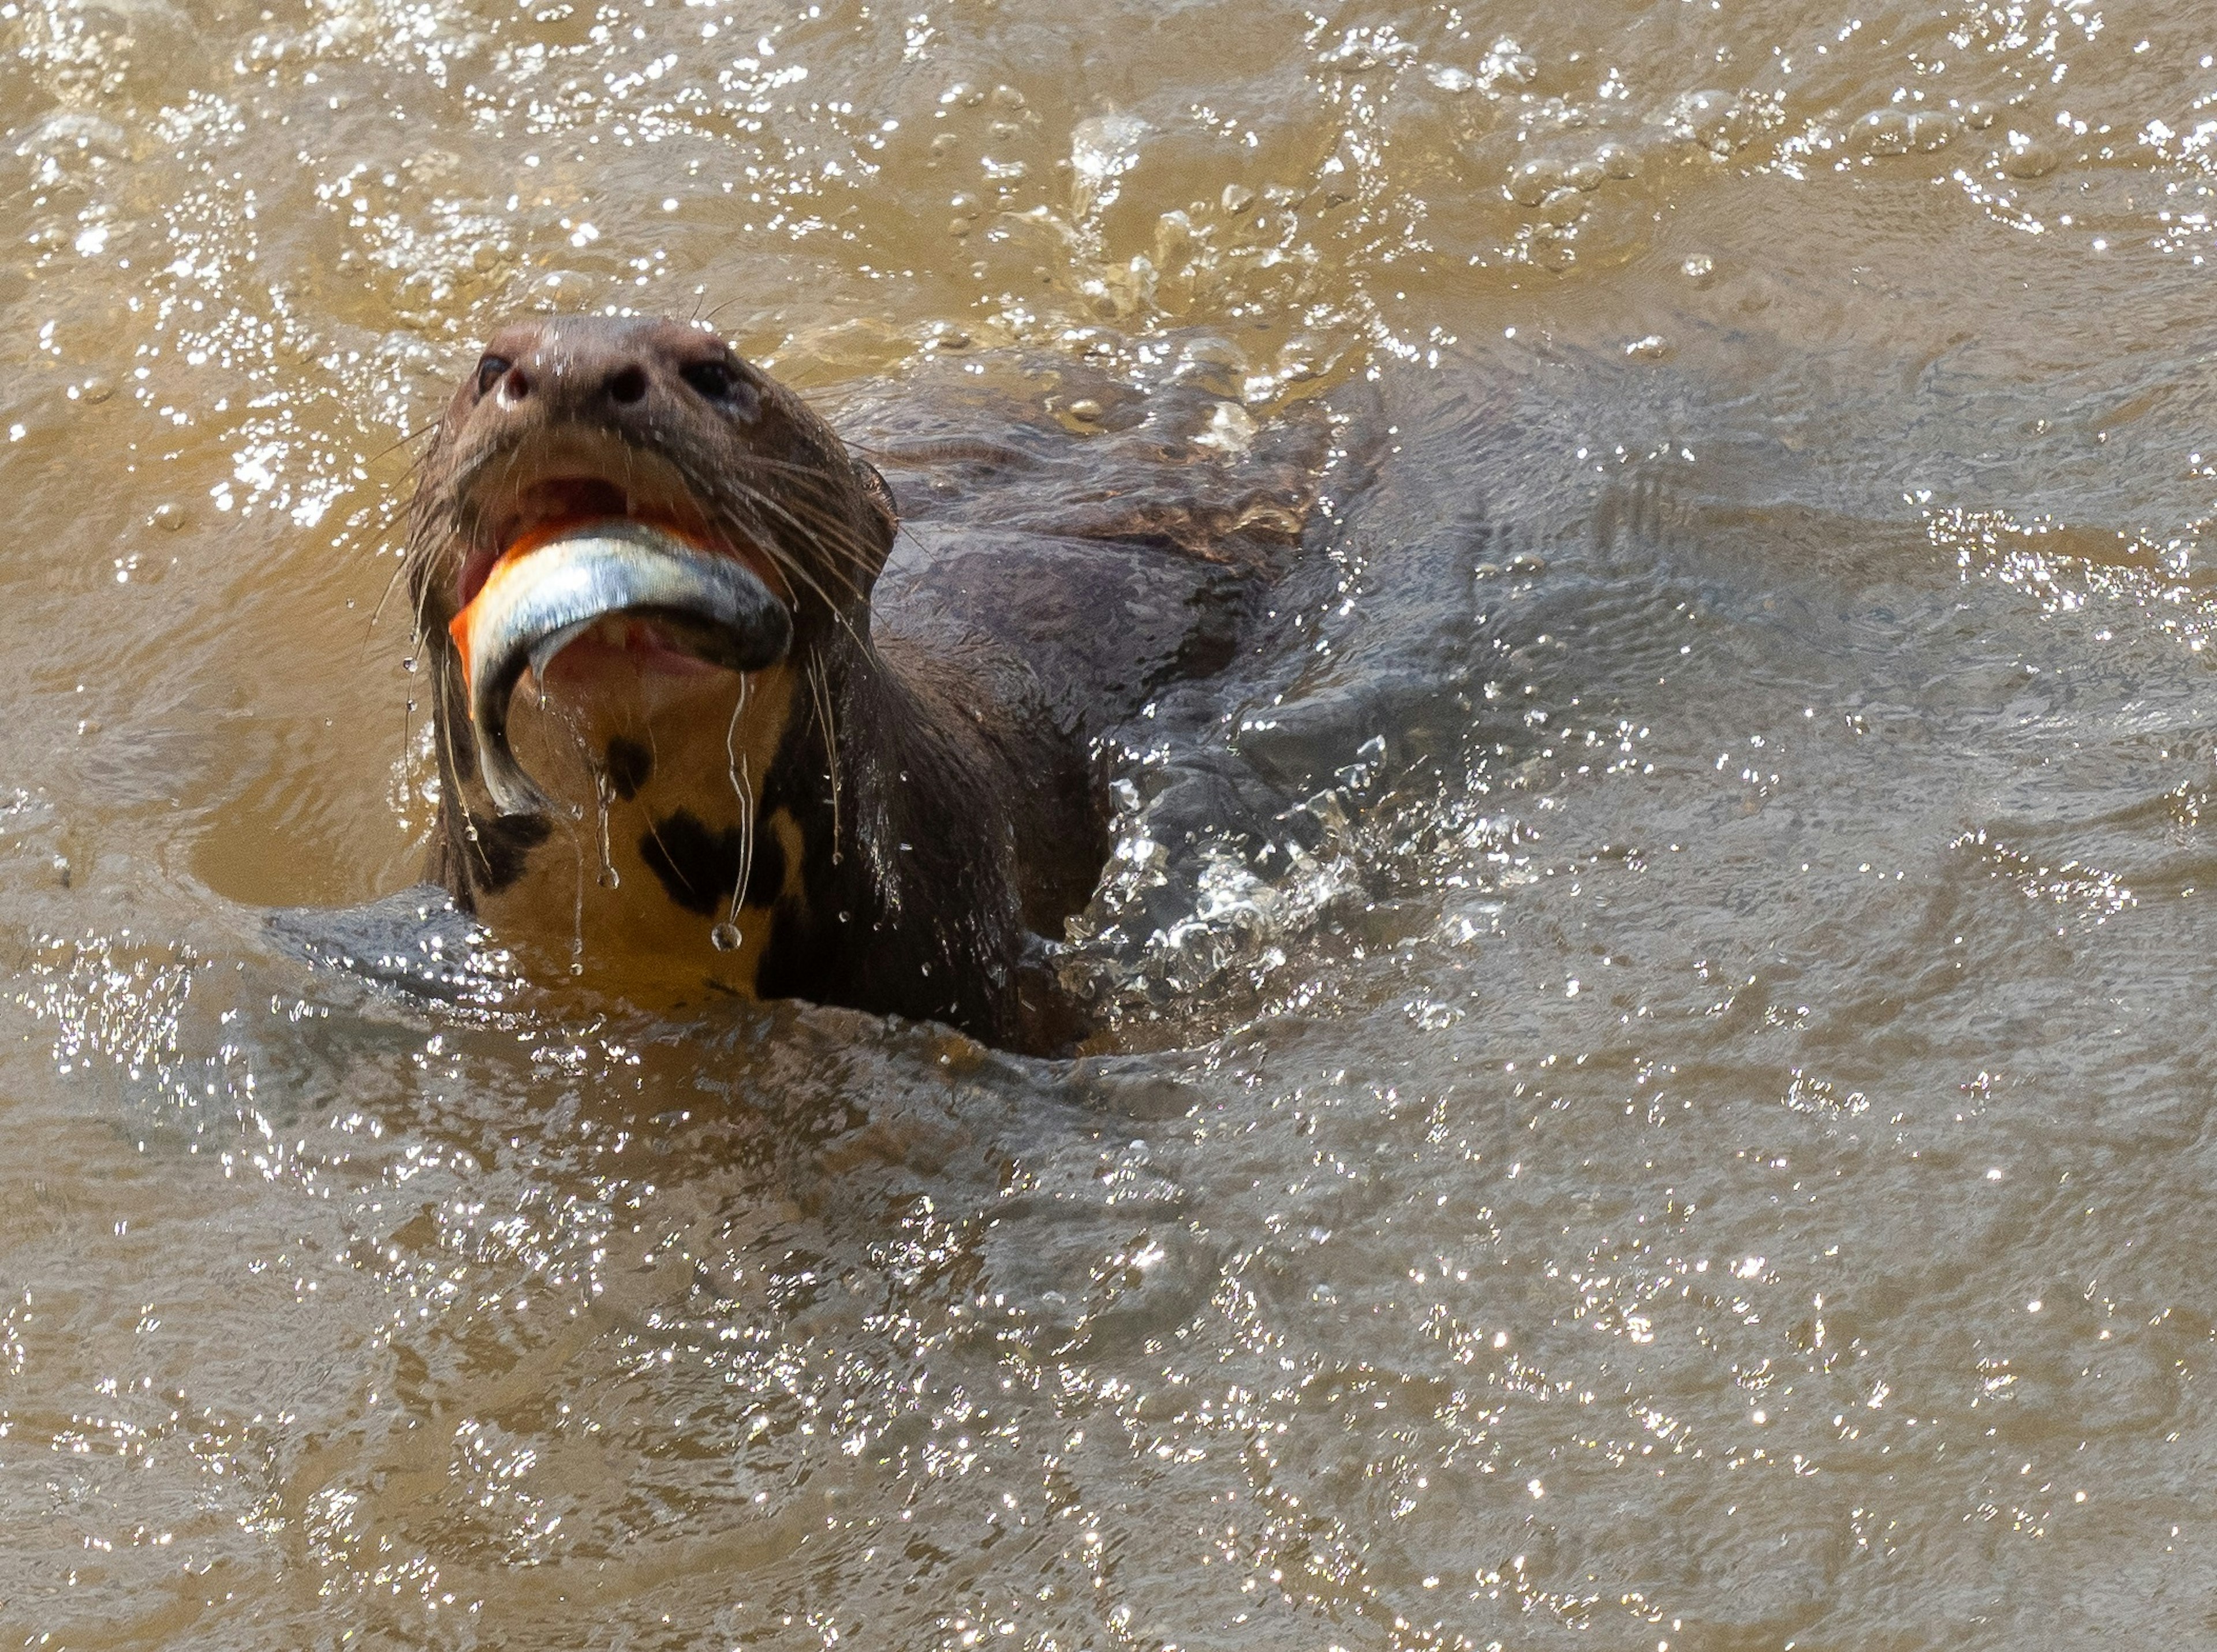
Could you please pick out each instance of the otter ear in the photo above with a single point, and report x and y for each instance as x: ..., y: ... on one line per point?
x: 882, y: 495
x: 885, y: 514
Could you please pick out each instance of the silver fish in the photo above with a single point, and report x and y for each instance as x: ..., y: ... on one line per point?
x: 711, y: 606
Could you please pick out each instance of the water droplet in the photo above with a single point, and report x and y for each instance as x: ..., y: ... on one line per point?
x: 725, y: 937
x: 608, y: 875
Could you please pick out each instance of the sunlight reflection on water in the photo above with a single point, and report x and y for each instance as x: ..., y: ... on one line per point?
x: 1657, y: 1093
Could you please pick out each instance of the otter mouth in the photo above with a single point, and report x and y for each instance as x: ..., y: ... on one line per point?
x: 535, y: 492
x: 629, y: 570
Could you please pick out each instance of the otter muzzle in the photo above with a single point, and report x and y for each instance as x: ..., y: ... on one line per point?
x: 532, y: 606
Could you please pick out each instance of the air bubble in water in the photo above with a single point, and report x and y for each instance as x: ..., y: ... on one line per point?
x: 1931, y: 130
x: 1882, y: 131
x: 2026, y: 158
x: 725, y: 937
x: 1529, y: 184
x: 1562, y: 209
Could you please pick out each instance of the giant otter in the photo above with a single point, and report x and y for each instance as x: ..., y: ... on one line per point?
x: 723, y: 767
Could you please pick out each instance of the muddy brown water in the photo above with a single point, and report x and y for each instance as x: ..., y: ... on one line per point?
x: 1660, y: 1091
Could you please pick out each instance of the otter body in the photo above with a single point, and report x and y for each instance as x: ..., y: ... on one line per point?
x: 900, y: 813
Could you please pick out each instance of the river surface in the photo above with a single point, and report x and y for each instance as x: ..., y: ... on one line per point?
x: 1659, y: 1087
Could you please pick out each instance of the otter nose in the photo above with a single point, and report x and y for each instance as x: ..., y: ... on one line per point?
x: 579, y: 379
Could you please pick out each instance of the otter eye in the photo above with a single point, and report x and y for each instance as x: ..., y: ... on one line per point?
x: 720, y: 382
x: 489, y: 372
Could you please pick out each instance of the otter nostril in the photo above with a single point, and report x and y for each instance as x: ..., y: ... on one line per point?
x: 515, y: 384
x: 628, y: 386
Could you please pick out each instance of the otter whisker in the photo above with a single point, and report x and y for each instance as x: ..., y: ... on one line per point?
x: 654, y: 754
x: 831, y: 535
x: 796, y: 571
x: 404, y: 438
x: 834, y: 526
x: 794, y: 568
x: 837, y: 539
x: 819, y: 531
x: 836, y: 532
x: 400, y: 569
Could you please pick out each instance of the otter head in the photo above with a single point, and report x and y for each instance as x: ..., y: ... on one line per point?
x: 632, y: 555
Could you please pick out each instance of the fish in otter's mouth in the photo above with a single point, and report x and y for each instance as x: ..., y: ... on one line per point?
x: 549, y: 590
